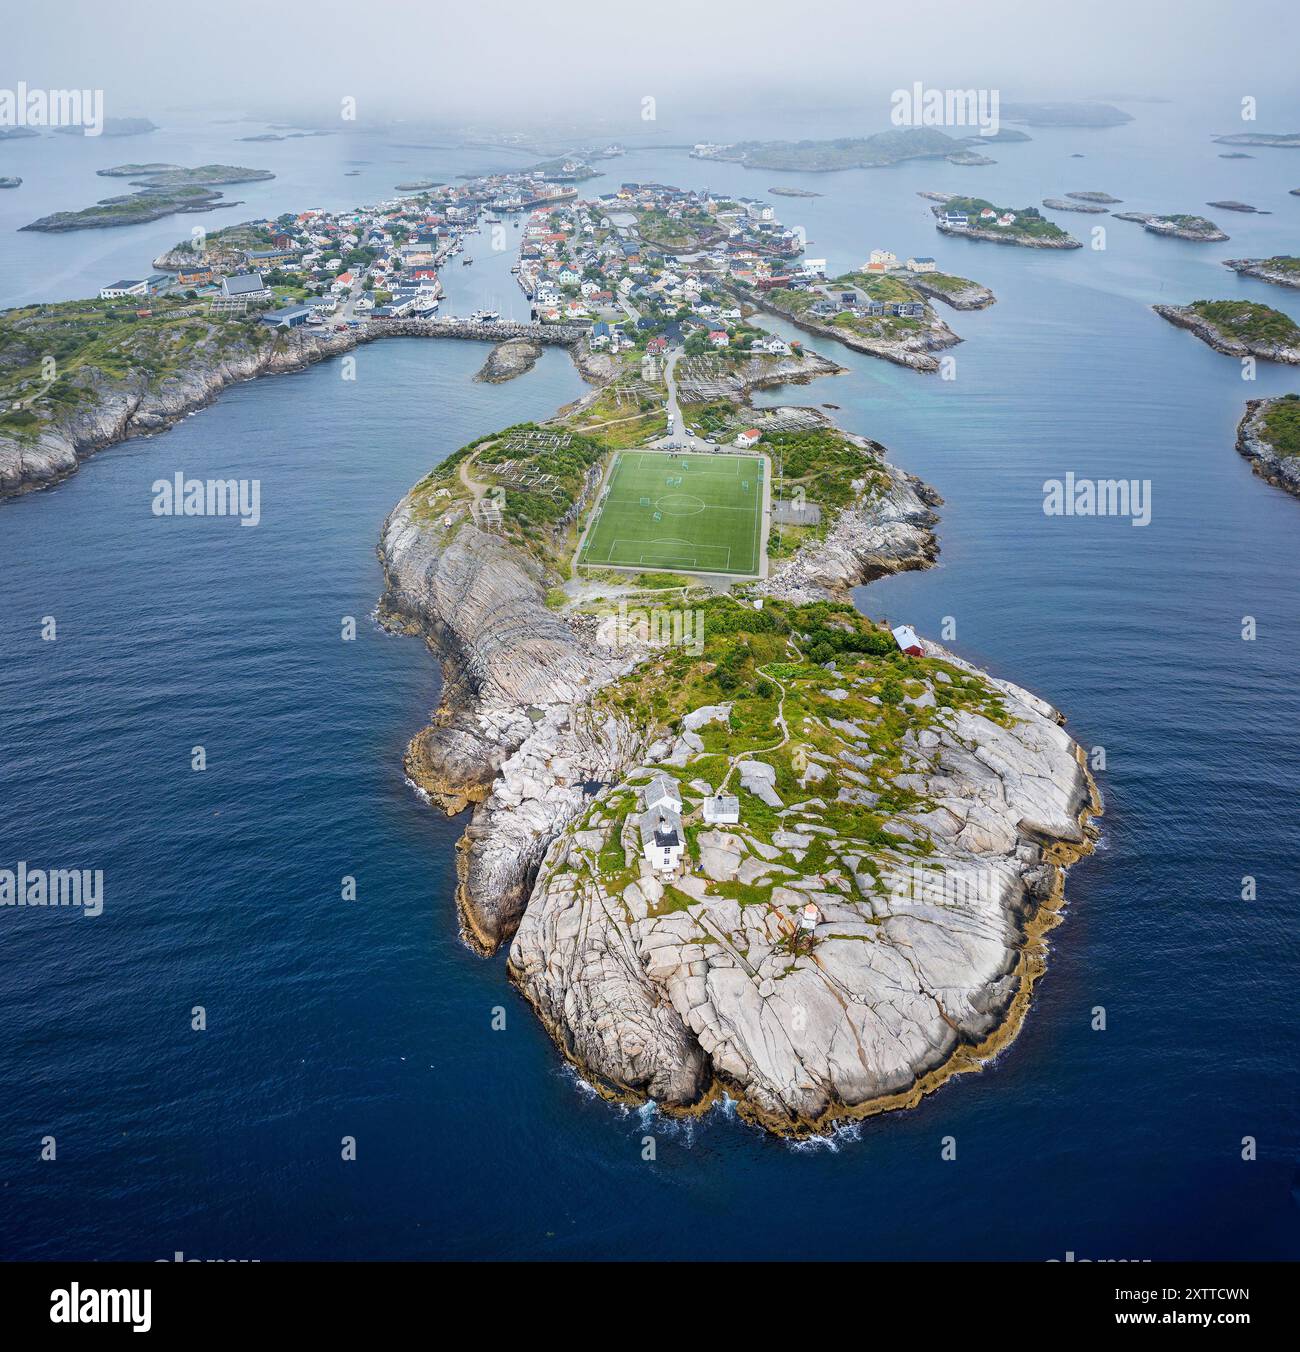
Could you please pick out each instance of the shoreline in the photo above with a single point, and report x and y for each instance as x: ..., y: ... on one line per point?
x: 135, y: 411
x: 965, y: 1059
x: 1282, y: 471
x: 917, y: 359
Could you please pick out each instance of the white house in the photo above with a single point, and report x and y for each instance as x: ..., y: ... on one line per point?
x: 883, y: 256
x: 921, y: 265
x: 662, y: 837
x: 722, y: 811
x: 747, y: 438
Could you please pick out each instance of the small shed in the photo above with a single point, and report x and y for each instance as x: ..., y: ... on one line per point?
x: 905, y: 637
x: 722, y: 810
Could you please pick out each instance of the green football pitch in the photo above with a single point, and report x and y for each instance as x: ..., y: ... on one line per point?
x: 695, y: 513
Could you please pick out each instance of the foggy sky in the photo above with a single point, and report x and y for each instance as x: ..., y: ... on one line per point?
x: 534, y: 63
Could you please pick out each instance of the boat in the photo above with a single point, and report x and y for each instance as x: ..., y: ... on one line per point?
x: 466, y: 262
x: 485, y: 316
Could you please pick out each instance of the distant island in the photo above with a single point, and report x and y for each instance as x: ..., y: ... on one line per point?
x: 974, y: 218
x: 1239, y: 328
x: 164, y: 190
x: 850, y: 152
x: 1176, y: 226
x: 1281, y: 269
x: 114, y: 126
x: 1065, y: 114
x: 7, y: 182
x: 177, y: 176
x: 1004, y: 135
x: 969, y: 158
x: 1064, y: 204
x: 1269, y: 437
x: 793, y: 192
x: 1102, y: 198
x: 284, y: 136
x: 1233, y: 205
x: 1289, y: 139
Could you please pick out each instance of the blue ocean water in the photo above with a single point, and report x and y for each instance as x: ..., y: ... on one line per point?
x: 368, y: 1018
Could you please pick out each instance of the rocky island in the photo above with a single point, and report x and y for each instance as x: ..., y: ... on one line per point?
x: 514, y: 357
x: 1269, y: 437
x: 1233, y: 205
x: 8, y: 181
x: 870, y: 844
x: 1238, y: 328
x: 1099, y: 198
x: 849, y: 152
x: 164, y: 190
x: 879, y: 314
x: 1177, y: 226
x: 1281, y: 269
x: 1066, y: 204
x: 1286, y: 139
x: 974, y: 218
x: 958, y: 292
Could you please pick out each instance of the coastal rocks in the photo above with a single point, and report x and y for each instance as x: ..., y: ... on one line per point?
x: 998, y: 237
x: 511, y: 734
x: 967, y: 296
x: 1254, y: 443
x: 1283, y: 270
x: 915, y: 349
x: 115, y: 409
x: 912, y: 975
x: 508, y: 360
x: 1194, y: 228
x: 889, y: 533
x: 1232, y: 344
x: 1061, y: 204
x: 758, y: 373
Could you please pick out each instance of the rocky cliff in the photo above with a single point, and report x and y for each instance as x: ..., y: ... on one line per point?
x: 136, y: 404
x: 921, y: 963
x: 1265, y: 459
